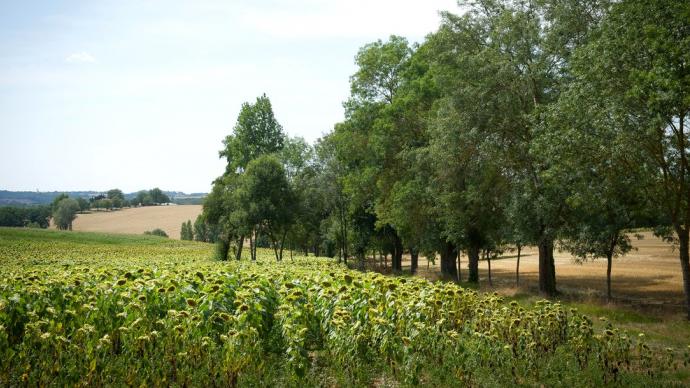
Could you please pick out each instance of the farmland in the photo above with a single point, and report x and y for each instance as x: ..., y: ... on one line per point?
x: 647, y: 277
x: 138, y: 220
x: 90, y: 309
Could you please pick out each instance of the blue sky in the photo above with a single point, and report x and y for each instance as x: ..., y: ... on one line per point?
x: 137, y: 94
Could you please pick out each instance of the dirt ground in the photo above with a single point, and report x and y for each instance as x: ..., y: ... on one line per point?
x: 648, y: 277
x: 138, y: 220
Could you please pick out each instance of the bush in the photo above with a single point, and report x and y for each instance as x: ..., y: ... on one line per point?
x: 25, y: 216
x: 156, y: 232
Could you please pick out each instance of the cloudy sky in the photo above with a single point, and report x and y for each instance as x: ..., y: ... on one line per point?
x: 136, y: 94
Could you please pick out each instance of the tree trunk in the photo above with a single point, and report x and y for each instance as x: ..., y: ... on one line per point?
x: 547, y: 269
x: 613, y: 242
x: 274, y: 245
x: 473, y: 265
x: 517, y: 268
x: 396, y: 260
x: 240, y: 244
x: 609, y: 259
x: 414, y: 260
x: 459, y: 266
x: 448, y: 269
x: 282, y: 245
x: 487, y: 256
x: 251, y: 247
x: 685, y: 264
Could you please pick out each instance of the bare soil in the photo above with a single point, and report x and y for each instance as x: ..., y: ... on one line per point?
x: 138, y: 220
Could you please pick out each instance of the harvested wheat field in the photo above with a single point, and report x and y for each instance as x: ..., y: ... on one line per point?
x: 138, y: 220
x: 648, y: 277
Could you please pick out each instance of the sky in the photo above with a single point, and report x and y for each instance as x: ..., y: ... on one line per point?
x: 139, y: 94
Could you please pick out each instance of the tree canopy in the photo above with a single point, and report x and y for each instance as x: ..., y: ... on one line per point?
x: 537, y: 123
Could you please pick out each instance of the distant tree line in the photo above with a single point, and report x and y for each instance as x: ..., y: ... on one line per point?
x: 30, y: 216
x: 115, y: 199
x: 516, y: 123
x: 151, y: 197
x: 63, y: 209
x: 156, y: 232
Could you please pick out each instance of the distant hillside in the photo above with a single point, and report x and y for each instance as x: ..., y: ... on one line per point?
x: 28, y: 198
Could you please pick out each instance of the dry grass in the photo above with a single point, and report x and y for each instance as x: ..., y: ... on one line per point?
x: 138, y: 220
x: 648, y: 278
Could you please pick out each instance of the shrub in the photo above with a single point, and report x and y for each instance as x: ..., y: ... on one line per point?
x: 156, y: 232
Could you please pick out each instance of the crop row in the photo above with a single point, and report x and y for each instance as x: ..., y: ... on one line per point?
x: 162, y: 322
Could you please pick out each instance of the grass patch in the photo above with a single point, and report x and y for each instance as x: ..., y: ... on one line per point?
x: 614, y: 313
x: 51, y: 235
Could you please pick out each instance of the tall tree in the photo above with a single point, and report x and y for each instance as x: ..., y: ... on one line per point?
x: 605, y: 179
x: 363, y: 138
x: 636, y: 64
x: 158, y: 196
x: 332, y: 174
x: 257, y: 132
x: 117, y: 197
x: 266, y: 194
x: 65, y: 212
x: 500, y: 65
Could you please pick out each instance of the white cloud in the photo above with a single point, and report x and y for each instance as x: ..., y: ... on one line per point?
x: 80, y: 57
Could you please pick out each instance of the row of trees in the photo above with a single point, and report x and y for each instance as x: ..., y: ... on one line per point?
x: 63, y: 209
x: 115, y: 199
x: 29, y: 216
x: 516, y: 123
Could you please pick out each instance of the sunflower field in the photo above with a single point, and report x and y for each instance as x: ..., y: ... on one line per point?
x: 87, y: 309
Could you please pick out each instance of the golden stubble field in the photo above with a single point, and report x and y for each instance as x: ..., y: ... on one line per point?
x: 138, y: 220
x: 649, y: 276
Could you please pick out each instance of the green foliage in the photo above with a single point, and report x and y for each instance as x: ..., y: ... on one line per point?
x: 186, y: 232
x: 143, y: 198
x: 630, y: 82
x: 158, y: 197
x: 84, y: 204
x: 257, y: 197
x: 266, y: 196
x: 203, y: 231
x: 156, y: 232
x: 154, y: 196
x: 57, y: 200
x: 104, y: 203
x: 256, y: 133
x: 38, y: 216
x: 65, y: 212
x: 380, y: 69
x: 117, y: 197
x: 161, y: 312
